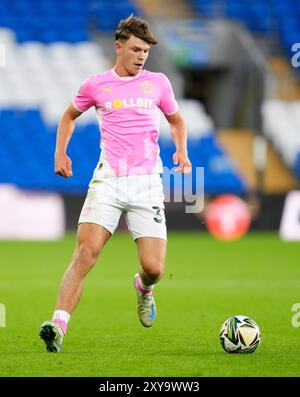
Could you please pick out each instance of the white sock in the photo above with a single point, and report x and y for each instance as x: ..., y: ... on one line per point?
x: 61, y: 315
x: 146, y: 287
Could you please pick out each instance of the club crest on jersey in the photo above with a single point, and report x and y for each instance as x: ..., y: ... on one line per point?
x: 147, y: 87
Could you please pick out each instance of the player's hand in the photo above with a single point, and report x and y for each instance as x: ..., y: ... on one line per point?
x: 180, y: 157
x: 63, y: 165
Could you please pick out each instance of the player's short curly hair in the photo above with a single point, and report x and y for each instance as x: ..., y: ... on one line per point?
x: 137, y: 27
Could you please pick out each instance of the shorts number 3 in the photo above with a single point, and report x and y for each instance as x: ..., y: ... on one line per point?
x: 158, y: 216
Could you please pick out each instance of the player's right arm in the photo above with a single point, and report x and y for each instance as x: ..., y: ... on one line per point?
x: 63, y: 163
x: 81, y: 102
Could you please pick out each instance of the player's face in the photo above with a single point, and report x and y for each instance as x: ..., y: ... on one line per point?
x: 132, y: 55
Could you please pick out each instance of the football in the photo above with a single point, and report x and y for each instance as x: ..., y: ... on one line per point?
x: 240, y: 334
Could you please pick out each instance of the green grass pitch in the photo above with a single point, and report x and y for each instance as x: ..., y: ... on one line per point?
x: 206, y: 281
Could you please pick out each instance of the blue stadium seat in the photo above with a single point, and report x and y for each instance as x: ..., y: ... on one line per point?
x: 219, y: 174
x: 28, y: 145
x: 260, y: 16
x: 28, y: 142
x: 297, y: 166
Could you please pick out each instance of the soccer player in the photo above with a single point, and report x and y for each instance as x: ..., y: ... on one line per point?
x: 128, y: 100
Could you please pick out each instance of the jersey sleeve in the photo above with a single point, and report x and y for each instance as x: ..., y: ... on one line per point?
x: 83, y: 100
x: 168, y: 103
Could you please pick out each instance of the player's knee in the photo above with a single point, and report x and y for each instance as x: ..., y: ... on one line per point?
x: 153, y: 269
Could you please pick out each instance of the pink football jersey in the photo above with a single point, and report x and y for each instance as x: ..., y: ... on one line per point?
x: 129, y: 117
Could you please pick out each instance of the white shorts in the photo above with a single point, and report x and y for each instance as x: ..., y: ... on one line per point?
x: 139, y: 197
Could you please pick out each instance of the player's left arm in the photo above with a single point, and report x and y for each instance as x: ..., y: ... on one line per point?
x: 179, y: 136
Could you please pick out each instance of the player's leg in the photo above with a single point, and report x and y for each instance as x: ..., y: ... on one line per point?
x: 146, y: 222
x: 151, y: 252
x: 98, y: 220
x: 91, y: 238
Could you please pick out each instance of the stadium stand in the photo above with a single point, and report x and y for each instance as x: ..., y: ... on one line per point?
x: 263, y: 17
x: 276, y: 22
x: 282, y: 124
x: 47, y: 58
